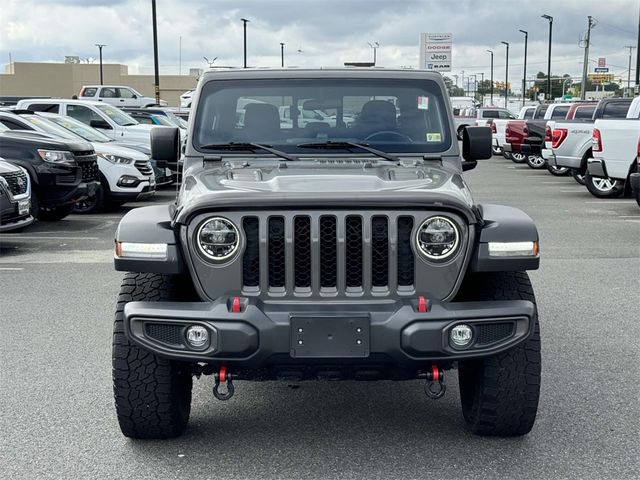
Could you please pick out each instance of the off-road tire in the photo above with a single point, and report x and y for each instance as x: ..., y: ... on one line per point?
x: 152, y: 394
x: 499, y: 394
x: 603, y: 187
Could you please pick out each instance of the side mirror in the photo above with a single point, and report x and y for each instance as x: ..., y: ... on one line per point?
x: 165, y: 144
x: 476, y: 143
x: 100, y: 124
x: 134, y: 96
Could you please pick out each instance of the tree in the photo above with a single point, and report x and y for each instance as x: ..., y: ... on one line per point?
x: 452, y: 88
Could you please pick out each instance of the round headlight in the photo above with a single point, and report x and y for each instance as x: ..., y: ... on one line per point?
x: 438, y: 238
x: 218, y: 238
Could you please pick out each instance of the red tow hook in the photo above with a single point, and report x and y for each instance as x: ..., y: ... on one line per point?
x: 423, y: 304
x: 235, y: 305
x: 222, y: 376
x: 435, y: 388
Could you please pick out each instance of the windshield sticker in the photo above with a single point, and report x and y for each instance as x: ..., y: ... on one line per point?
x: 434, y: 137
x: 423, y: 103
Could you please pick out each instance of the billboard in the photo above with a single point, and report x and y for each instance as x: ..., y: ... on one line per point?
x: 600, y: 77
x: 435, y: 51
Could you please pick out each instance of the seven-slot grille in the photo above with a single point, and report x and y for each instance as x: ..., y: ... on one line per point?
x: 341, y: 253
x: 16, y: 181
x: 144, y: 167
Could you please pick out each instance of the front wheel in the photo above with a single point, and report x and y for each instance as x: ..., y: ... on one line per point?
x: 536, y: 162
x: 152, y: 394
x: 93, y: 204
x: 517, y: 157
x: 603, y: 187
x: 500, y: 394
x: 577, y: 176
x: 558, y: 171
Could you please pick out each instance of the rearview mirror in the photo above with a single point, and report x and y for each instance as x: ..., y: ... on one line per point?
x: 100, y: 124
x: 476, y: 143
x: 165, y: 144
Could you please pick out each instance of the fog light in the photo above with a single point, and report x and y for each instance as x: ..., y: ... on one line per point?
x: 197, y: 336
x: 461, y: 335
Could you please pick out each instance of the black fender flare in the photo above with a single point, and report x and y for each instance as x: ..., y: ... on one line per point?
x: 501, y: 223
x: 150, y: 224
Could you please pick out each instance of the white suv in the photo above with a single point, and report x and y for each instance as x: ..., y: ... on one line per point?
x: 118, y: 95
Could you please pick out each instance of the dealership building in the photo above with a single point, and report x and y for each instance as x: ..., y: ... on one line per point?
x: 25, y: 79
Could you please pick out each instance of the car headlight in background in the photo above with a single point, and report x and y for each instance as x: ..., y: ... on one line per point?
x: 218, y: 239
x: 117, y: 159
x: 57, y: 156
x: 438, y: 238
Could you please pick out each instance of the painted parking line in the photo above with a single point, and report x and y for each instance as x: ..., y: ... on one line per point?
x: 610, y: 201
x: 628, y: 216
x: 11, y: 269
x: 572, y: 191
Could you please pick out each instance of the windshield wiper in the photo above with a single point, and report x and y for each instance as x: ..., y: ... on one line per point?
x: 348, y: 146
x: 247, y: 146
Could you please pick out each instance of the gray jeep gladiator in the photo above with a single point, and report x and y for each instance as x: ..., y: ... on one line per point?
x: 346, y: 247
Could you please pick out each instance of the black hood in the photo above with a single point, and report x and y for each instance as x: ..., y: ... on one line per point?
x: 42, y: 140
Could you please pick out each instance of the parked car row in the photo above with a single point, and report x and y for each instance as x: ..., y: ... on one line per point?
x: 596, y: 143
x: 66, y: 155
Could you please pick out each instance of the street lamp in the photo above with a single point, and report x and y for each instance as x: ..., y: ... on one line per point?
x: 506, y: 76
x: 550, y: 18
x: 244, y: 24
x: 481, y: 85
x: 282, y: 54
x: 524, y: 75
x: 375, y: 46
x: 100, y: 45
x: 491, y: 52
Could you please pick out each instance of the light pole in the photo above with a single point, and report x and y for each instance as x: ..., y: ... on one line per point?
x: 491, y: 52
x: 550, y: 18
x: 630, y: 47
x: 244, y: 24
x: 375, y: 46
x: 506, y: 76
x: 524, y: 75
x: 155, y: 52
x: 282, y: 54
x: 481, y: 84
x: 475, y: 83
x: 100, y: 46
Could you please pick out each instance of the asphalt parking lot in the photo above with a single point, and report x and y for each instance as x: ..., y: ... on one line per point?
x: 56, y: 301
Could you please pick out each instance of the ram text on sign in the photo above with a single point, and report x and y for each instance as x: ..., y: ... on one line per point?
x: 435, y: 51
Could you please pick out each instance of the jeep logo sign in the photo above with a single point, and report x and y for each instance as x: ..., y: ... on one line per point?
x: 435, y: 51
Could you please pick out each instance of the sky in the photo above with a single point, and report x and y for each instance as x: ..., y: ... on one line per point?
x: 319, y: 32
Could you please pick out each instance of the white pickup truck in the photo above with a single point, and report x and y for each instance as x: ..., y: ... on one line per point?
x: 481, y: 117
x: 111, y: 121
x: 568, y: 142
x: 615, y: 149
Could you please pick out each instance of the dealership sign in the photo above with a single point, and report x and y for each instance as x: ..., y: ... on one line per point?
x: 435, y: 51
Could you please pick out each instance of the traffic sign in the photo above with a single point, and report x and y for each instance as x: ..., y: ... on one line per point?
x: 601, y: 69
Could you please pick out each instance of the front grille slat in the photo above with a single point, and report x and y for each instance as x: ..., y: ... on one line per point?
x: 144, y: 167
x: 89, y: 170
x: 379, y: 251
x: 313, y: 253
x: 328, y: 252
x: 276, y: 246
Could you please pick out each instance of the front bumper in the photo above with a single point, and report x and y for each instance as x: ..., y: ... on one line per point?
x: 597, y: 168
x: 264, y: 334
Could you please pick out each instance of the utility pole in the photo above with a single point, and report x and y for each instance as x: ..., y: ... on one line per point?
x: 282, y: 54
x: 638, y: 58
x: 524, y: 75
x: 100, y: 46
x: 481, y: 84
x: 585, y: 65
x: 155, y: 51
x: 462, y: 81
x: 630, y: 47
x: 475, y: 85
x: 244, y: 22
x: 549, y: 93
x: 506, y: 77
x: 491, y: 52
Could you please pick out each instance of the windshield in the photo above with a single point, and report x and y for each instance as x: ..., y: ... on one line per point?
x: 117, y: 116
x: 79, y: 128
x: 403, y: 116
x: 44, y: 125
